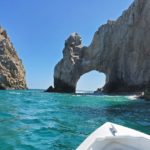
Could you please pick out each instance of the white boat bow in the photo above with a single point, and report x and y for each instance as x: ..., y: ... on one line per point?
x: 111, y: 136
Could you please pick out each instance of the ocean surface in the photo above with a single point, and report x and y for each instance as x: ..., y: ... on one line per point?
x: 34, y: 120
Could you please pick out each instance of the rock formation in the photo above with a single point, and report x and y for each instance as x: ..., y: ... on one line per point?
x: 12, y: 74
x: 120, y: 49
x: 146, y: 94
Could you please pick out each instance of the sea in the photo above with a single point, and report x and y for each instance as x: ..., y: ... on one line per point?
x: 35, y: 120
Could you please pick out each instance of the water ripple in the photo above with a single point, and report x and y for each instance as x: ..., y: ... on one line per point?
x: 34, y: 120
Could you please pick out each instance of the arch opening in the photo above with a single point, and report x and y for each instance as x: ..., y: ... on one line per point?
x: 90, y: 82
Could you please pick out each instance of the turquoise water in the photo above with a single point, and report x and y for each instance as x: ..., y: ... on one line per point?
x: 34, y: 120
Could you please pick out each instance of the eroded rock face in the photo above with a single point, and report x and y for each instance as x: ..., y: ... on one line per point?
x: 12, y: 73
x: 146, y: 94
x: 120, y: 49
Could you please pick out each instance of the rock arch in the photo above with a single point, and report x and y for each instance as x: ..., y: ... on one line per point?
x: 120, y: 49
x: 91, y: 81
x: 76, y: 61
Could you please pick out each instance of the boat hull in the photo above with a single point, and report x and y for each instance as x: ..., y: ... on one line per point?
x: 111, y: 136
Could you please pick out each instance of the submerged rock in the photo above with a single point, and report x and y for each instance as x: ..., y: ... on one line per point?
x: 12, y: 73
x: 120, y: 49
x: 146, y: 94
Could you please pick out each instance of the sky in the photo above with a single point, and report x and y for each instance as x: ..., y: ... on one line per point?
x: 38, y: 29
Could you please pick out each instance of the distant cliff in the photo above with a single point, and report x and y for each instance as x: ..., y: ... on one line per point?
x: 120, y: 49
x: 12, y: 73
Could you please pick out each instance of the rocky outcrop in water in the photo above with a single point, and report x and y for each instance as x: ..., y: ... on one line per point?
x: 12, y: 73
x: 120, y: 49
x: 146, y: 94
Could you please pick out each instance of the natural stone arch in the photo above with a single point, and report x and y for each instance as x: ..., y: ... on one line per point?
x: 120, y: 49
x: 91, y: 81
x: 75, y: 63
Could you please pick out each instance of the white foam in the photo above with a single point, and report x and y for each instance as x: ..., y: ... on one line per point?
x: 132, y: 97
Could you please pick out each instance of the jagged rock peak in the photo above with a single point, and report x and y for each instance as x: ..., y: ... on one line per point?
x: 72, y: 47
x: 12, y: 73
x: 74, y: 39
x: 120, y: 49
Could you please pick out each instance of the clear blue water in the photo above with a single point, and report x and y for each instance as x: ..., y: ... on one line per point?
x: 34, y: 120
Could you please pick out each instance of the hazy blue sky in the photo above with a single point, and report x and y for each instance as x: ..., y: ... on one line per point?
x: 38, y: 29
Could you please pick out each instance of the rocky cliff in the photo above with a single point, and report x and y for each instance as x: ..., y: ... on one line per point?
x: 12, y: 74
x: 120, y: 49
